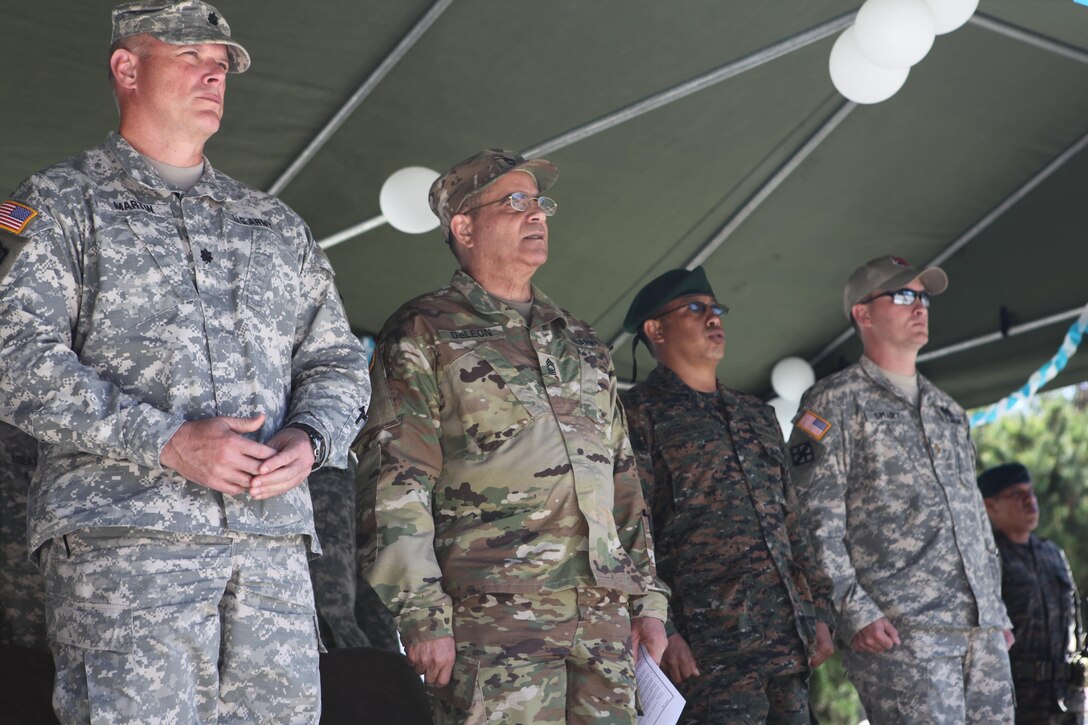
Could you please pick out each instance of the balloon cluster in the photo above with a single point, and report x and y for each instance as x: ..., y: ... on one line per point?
x: 872, y: 58
x: 790, y: 378
x: 403, y: 200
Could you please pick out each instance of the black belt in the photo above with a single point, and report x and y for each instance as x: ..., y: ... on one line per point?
x: 1039, y: 670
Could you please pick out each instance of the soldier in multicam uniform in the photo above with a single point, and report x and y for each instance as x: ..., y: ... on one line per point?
x: 1041, y: 597
x: 512, y: 539
x: 885, y: 474
x: 22, y: 591
x: 175, y: 342
x: 744, y: 629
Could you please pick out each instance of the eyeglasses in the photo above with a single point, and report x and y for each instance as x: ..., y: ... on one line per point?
x: 905, y: 297
x: 698, y: 308
x: 522, y: 201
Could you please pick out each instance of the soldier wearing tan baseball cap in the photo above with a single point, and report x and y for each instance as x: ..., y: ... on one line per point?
x: 889, y: 273
x: 188, y: 22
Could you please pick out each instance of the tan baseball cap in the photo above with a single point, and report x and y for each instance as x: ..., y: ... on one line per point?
x: 188, y: 22
x: 888, y: 273
x: 450, y: 190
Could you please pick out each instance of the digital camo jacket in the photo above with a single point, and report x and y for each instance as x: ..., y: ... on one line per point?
x: 728, y: 539
x: 496, y: 460
x: 132, y: 309
x: 888, y: 493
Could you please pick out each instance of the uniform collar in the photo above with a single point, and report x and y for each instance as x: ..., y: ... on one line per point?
x: 668, y: 381
x: 544, y: 310
x: 139, y: 170
x: 925, y: 388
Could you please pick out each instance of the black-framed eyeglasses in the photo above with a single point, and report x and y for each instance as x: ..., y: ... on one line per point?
x: 522, y: 201
x: 905, y: 297
x: 698, y: 308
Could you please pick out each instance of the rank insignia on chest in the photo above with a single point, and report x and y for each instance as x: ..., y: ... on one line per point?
x: 813, y: 424
x: 802, y: 453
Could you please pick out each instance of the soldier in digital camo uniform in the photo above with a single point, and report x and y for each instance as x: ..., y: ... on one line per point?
x: 884, y: 470
x: 512, y: 541
x: 175, y: 342
x: 1039, y: 592
x: 22, y: 591
x: 743, y: 627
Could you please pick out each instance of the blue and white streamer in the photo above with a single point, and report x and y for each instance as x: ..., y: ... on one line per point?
x: 1040, y: 377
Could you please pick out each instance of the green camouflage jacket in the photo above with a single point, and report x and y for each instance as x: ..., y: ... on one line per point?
x: 132, y: 308
x: 496, y: 459
x: 888, y: 492
x: 724, y: 514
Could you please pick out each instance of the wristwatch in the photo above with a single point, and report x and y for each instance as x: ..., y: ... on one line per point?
x: 317, y: 441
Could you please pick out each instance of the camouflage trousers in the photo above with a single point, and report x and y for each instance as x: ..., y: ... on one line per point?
x: 936, y: 676
x: 1036, y: 704
x: 22, y: 591
x: 536, y: 659
x: 153, y: 627
x: 350, y: 612
x: 743, y: 696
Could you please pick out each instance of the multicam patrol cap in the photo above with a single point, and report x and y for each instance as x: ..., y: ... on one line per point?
x: 450, y: 190
x: 186, y: 22
x: 888, y: 273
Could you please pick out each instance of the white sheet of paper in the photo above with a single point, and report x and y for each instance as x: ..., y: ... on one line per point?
x: 661, y: 702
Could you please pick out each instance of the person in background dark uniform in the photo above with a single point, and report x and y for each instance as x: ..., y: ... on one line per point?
x: 1040, y: 595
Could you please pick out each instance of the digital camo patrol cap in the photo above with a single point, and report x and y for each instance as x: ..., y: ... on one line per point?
x: 888, y: 273
x: 450, y: 190
x: 188, y: 22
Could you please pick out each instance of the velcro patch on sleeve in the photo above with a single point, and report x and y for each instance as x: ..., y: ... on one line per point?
x: 802, y: 453
x: 10, y: 247
x: 14, y: 216
x: 813, y: 424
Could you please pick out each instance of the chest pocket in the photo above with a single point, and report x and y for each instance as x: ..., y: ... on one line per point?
x: 688, y: 450
x: 272, y: 278
x: 143, y: 273
x: 595, y: 379
x: 493, y: 399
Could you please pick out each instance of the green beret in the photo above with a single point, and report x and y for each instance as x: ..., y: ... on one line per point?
x: 662, y: 290
x: 995, y: 480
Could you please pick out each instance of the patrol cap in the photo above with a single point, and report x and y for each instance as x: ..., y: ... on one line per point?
x: 662, y: 290
x: 995, y: 480
x: 888, y: 273
x: 450, y: 190
x: 186, y: 22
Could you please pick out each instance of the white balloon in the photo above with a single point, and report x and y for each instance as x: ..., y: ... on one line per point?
x: 857, y: 78
x: 784, y: 410
x: 950, y: 14
x: 894, y: 34
x: 403, y: 200
x: 791, y: 377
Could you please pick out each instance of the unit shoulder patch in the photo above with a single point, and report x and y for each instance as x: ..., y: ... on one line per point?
x: 802, y: 453
x: 10, y: 247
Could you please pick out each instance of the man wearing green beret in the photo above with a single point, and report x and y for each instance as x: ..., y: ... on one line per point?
x: 1041, y: 596
x: 512, y: 539
x: 749, y: 610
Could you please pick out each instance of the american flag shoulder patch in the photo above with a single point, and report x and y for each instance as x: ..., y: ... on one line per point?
x: 15, y: 216
x: 813, y: 424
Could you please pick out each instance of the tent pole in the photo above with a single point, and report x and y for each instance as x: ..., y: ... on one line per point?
x: 687, y: 88
x: 1040, y: 176
x: 1026, y: 36
x: 777, y: 179
x: 360, y: 94
x: 675, y: 93
x: 995, y: 336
